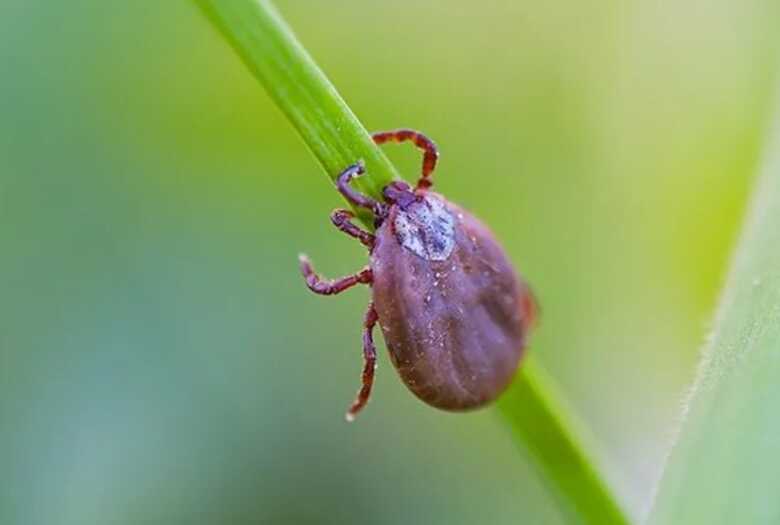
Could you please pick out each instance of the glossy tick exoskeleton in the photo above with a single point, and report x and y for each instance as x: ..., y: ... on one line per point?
x: 454, y: 313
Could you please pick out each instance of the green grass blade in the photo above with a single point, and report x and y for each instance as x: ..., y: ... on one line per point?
x: 725, y: 467
x: 300, y: 89
x: 337, y: 139
x: 542, y: 426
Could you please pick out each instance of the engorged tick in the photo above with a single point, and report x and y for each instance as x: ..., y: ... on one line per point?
x: 454, y: 313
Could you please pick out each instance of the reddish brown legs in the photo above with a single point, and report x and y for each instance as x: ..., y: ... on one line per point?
x: 342, y: 220
x: 329, y: 287
x: 355, y: 197
x: 369, y: 357
x: 324, y: 287
x: 430, y: 152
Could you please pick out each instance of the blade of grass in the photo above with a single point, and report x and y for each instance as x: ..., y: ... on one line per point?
x: 725, y: 467
x: 328, y: 127
x: 539, y: 419
x: 337, y: 138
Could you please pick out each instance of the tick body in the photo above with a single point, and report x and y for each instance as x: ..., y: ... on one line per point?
x: 453, y: 312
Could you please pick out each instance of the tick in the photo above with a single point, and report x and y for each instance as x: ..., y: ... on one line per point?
x: 453, y: 312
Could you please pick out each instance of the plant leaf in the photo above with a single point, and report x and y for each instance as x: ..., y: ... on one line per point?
x: 725, y: 467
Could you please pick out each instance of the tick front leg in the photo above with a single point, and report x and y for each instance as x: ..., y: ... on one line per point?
x: 354, y: 196
x: 369, y: 365
x: 342, y: 219
x: 330, y: 287
x: 430, y: 151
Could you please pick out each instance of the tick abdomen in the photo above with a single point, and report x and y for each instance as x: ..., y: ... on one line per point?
x: 453, y: 312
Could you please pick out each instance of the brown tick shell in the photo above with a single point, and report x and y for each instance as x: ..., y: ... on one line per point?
x: 453, y: 312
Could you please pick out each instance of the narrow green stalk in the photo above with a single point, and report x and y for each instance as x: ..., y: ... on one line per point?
x: 539, y: 420
x: 300, y: 89
x: 337, y: 139
x: 725, y: 467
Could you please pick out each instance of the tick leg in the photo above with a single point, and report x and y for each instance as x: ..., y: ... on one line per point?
x: 369, y: 357
x: 353, y: 196
x: 531, y: 309
x: 430, y: 152
x: 330, y: 287
x: 342, y: 220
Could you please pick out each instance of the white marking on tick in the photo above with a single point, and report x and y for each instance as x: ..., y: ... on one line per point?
x: 427, y: 229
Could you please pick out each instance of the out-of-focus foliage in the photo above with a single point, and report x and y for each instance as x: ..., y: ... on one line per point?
x: 724, y: 466
x: 160, y: 360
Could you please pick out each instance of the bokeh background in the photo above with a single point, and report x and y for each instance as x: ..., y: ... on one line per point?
x: 160, y: 359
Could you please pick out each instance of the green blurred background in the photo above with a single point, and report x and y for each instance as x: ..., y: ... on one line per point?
x: 161, y: 360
